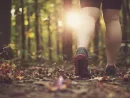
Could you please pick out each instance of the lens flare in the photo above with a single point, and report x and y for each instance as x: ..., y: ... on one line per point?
x: 73, y: 19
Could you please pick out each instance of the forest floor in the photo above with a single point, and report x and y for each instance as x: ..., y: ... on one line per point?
x: 58, y: 81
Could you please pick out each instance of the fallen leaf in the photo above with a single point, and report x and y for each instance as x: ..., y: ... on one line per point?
x: 19, y: 77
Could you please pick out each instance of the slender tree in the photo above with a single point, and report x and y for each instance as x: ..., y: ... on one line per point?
x: 28, y: 29
x: 18, y: 24
x: 49, y: 39
x: 23, y: 30
x: 125, y: 38
x: 37, y: 26
x: 57, y: 35
x: 128, y: 12
x: 128, y: 7
x: 67, y: 34
x: 58, y: 43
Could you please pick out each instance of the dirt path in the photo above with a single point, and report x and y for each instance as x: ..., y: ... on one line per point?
x: 78, y: 89
x: 41, y: 82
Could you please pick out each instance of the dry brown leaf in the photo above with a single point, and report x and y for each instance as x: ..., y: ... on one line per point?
x: 19, y: 77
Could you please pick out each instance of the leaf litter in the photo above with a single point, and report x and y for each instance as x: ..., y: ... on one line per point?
x: 50, y: 80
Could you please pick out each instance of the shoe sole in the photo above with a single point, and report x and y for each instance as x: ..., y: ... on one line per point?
x: 81, y: 66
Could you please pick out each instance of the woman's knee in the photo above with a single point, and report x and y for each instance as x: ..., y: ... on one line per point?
x: 111, y: 15
x: 90, y: 12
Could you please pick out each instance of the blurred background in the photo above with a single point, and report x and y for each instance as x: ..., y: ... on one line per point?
x: 45, y: 30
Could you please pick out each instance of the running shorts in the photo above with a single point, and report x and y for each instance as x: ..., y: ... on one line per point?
x: 106, y: 4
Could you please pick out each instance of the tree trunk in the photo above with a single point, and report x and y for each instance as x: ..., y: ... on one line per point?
x: 124, y: 11
x: 17, y: 27
x: 28, y: 29
x: 37, y: 27
x: 57, y: 35
x: 128, y: 12
x: 17, y: 24
x: 23, y: 31
x: 128, y: 7
x: 67, y: 35
x: 49, y: 39
x: 5, y: 29
x: 58, y: 44
x: 5, y: 23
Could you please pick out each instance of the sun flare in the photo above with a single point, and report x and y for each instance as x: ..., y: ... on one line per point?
x: 73, y: 19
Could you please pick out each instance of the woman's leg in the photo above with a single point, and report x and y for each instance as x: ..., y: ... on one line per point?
x: 86, y: 29
x: 111, y: 13
x: 85, y: 32
x: 113, y: 35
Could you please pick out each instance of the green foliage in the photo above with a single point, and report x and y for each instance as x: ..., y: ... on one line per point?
x: 50, y: 12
